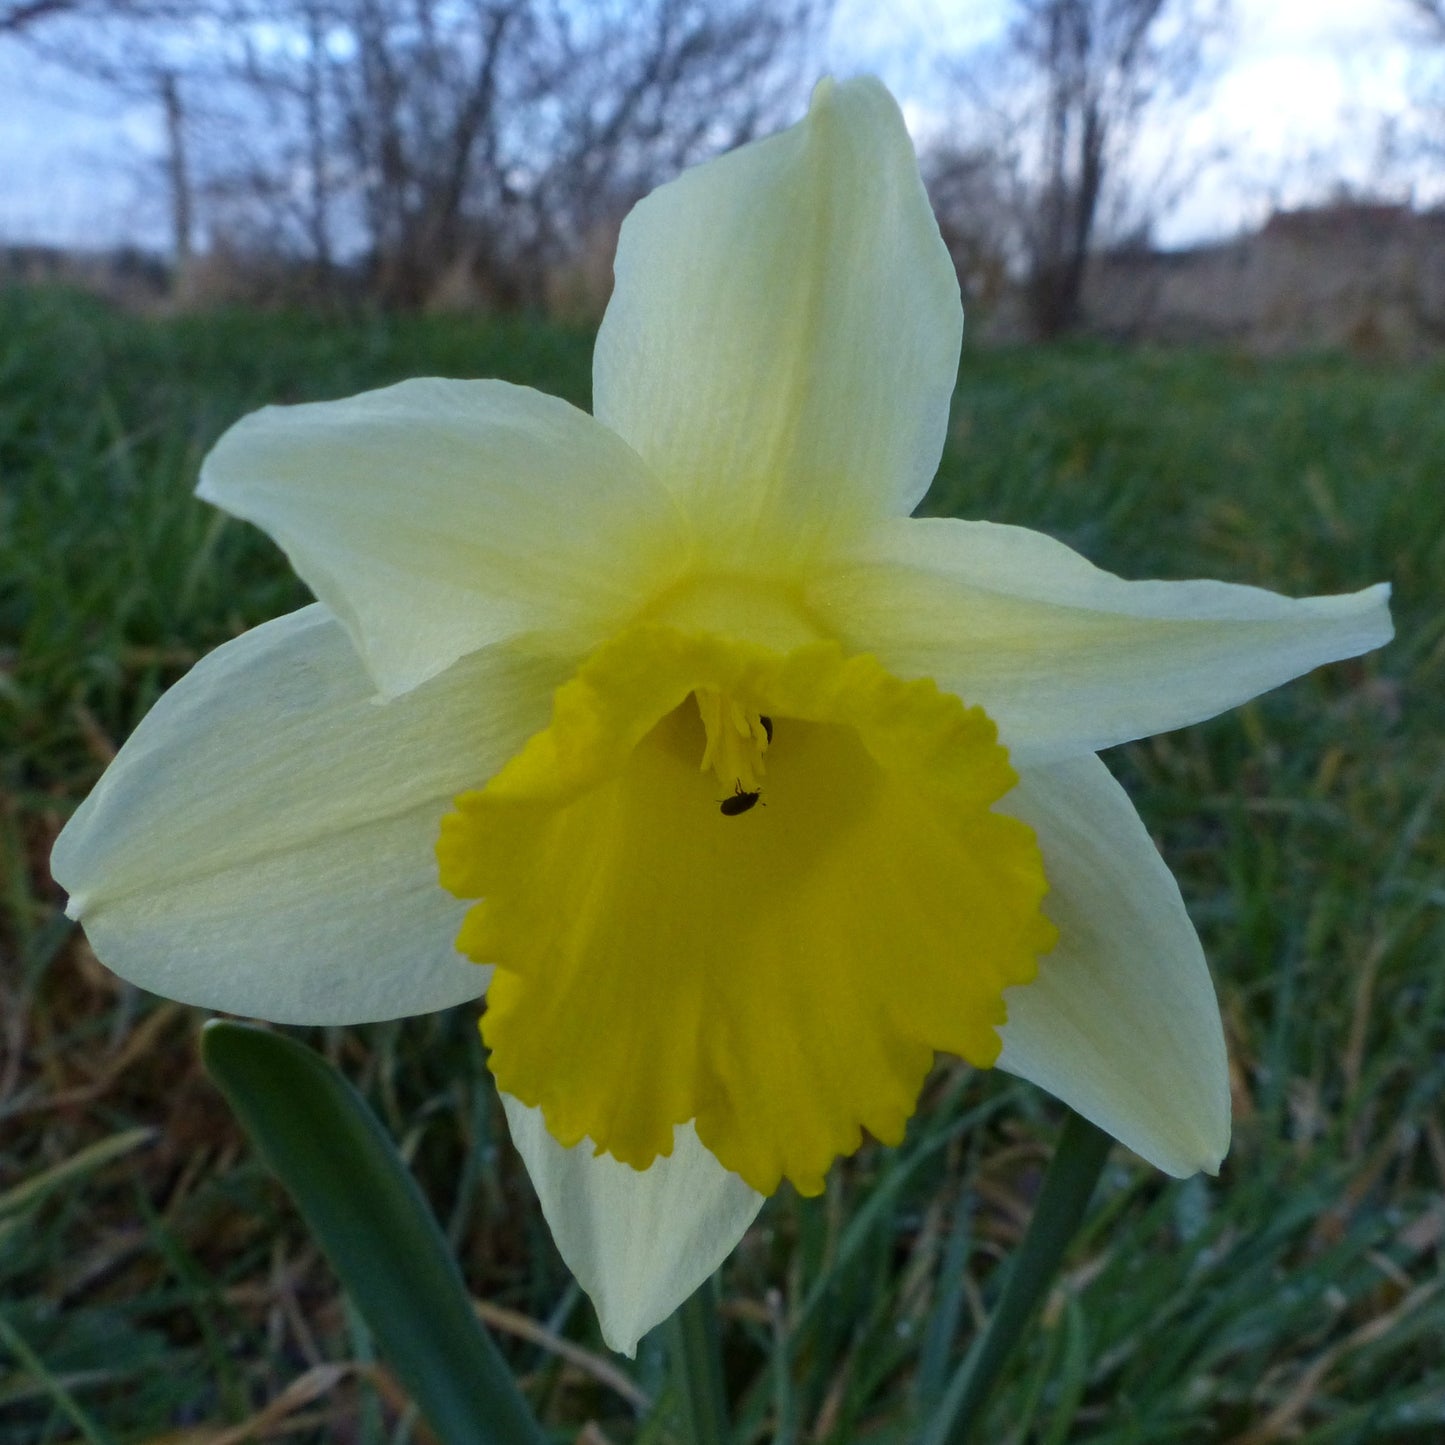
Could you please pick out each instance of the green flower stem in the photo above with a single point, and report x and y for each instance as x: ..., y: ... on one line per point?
x: 692, y: 1338
x: 1077, y: 1164
x: 365, y: 1210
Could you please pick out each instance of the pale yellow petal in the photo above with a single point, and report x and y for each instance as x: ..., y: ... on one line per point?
x: 438, y: 517
x: 1066, y: 658
x: 638, y: 1241
x: 1121, y: 1021
x: 264, y: 841
x: 783, y: 340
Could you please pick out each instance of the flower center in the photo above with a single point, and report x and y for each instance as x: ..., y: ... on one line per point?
x: 784, y: 984
x: 737, y: 738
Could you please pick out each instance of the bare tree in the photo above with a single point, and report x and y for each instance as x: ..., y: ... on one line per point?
x: 971, y: 194
x: 18, y: 17
x: 427, y: 138
x: 656, y: 85
x: 117, y: 45
x: 27, y: 17
x: 1064, y: 97
x: 403, y: 104
x: 1414, y: 138
x: 1428, y: 82
x: 1432, y: 12
x: 491, y: 136
x: 22, y: 14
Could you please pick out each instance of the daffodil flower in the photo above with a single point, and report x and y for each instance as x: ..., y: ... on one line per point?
x: 744, y: 792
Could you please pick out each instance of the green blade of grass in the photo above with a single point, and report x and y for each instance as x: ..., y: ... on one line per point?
x: 65, y: 1402
x: 697, y: 1364
x: 365, y: 1210
x: 31, y: 1191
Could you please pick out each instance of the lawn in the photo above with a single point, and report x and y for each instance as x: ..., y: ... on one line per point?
x: 155, y: 1285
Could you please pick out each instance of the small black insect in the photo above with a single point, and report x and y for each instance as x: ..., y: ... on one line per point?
x: 740, y: 801
x: 767, y: 723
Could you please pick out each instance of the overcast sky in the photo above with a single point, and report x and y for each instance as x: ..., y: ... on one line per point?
x: 1302, y: 93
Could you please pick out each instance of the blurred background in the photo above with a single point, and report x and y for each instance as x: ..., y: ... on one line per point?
x: 1201, y: 245
x: 1257, y: 171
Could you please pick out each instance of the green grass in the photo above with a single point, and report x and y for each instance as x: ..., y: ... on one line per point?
x: 154, y: 1285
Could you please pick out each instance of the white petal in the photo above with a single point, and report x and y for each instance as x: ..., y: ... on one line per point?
x: 1121, y: 1023
x: 263, y: 843
x: 436, y: 517
x: 1067, y: 658
x: 638, y: 1241
x: 783, y: 340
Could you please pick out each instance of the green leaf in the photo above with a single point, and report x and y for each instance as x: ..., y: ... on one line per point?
x: 1068, y: 1186
x: 365, y: 1210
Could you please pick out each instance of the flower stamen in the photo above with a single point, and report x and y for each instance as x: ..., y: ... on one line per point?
x: 737, y: 737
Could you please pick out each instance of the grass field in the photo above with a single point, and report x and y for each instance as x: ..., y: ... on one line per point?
x: 154, y: 1284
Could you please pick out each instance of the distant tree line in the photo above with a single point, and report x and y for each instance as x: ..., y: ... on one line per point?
x: 1429, y: 81
x: 414, y: 139
x: 1046, y: 163
x: 401, y: 145
x: 27, y: 15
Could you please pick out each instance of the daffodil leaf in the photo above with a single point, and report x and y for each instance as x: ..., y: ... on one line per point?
x: 1078, y: 1161
x: 366, y: 1211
